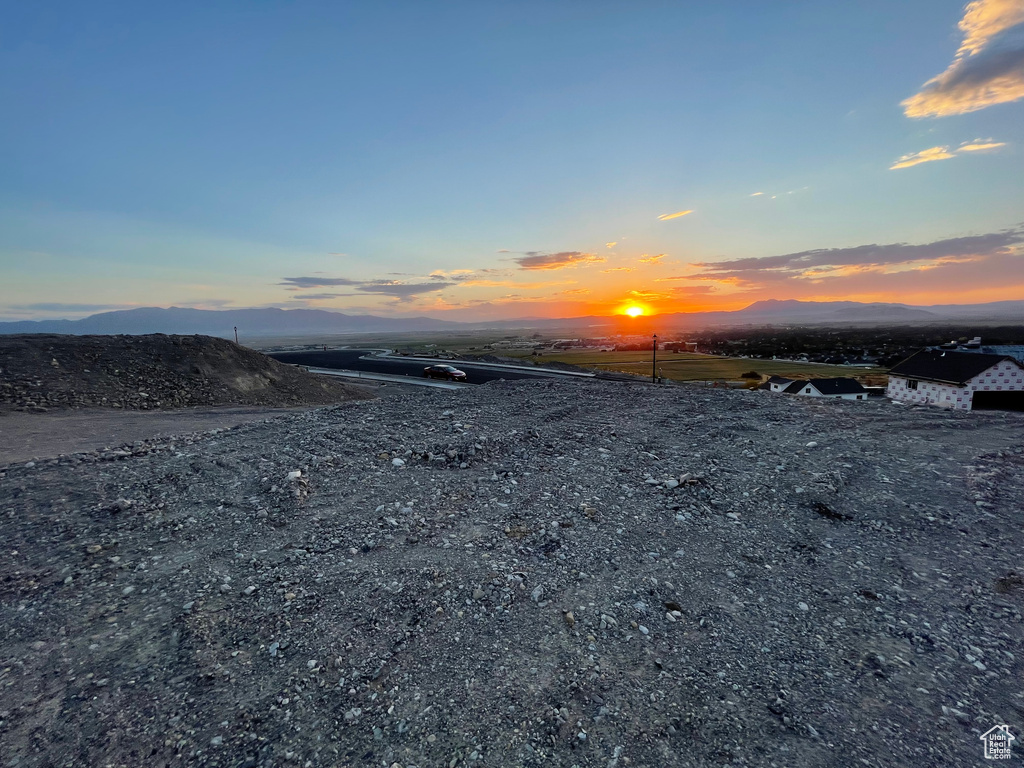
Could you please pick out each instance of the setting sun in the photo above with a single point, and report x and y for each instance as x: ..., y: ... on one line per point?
x: 635, y: 311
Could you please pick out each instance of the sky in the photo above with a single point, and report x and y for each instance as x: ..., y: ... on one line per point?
x: 490, y: 160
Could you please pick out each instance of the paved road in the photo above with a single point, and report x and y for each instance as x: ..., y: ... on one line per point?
x: 350, y: 359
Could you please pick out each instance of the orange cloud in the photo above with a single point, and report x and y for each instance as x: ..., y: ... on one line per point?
x: 943, y: 153
x: 980, y: 145
x: 539, y: 260
x: 984, y: 20
x: 646, y: 259
x: 924, y: 156
x: 988, y: 67
x: 676, y: 215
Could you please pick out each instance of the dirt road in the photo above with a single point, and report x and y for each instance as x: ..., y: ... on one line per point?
x: 28, y: 436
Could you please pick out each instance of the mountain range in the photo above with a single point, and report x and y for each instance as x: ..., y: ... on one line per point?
x: 257, y: 323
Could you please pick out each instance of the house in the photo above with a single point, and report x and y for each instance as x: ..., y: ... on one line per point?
x: 841, y: 388
x: 776, y: 384
x: 1016, y: 351
x: 958, y: 380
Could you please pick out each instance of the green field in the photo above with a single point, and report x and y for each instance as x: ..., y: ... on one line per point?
x: 687, y: 366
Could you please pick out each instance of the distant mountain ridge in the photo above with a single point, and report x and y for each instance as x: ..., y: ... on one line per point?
x: 210, y: 322
x: 272, y: 322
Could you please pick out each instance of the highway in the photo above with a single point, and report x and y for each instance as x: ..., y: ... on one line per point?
x: 352, y: 360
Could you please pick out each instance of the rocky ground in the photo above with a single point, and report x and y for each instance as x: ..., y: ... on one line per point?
x: 27, y: 436
x: 41, y: 372
x: 522, y: 574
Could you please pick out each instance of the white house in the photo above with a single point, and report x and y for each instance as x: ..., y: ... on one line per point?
x: 841, y: 388
x: 776, y: 383
x: 959, y: 380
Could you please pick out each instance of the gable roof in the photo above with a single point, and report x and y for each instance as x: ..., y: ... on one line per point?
x: 778, y: 380
x: 946, y: 366
x: 838, y: 386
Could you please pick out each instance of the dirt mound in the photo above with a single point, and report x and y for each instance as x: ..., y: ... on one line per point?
x: 533, y: 573
x: 41, y: 371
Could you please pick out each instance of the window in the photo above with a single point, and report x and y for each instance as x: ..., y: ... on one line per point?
x: 807, y: 391
x: 911, y: 383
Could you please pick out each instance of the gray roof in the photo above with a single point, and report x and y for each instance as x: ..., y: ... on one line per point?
x: 946, y: 366
x: 837, y: 386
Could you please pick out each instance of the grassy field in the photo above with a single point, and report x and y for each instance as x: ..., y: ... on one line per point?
x: 685, y: 366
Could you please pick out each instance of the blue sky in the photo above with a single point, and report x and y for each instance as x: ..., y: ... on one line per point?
x: 472, y: 160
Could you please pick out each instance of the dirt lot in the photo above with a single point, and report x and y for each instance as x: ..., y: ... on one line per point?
x: 26, y: 436
x: 522, y: 573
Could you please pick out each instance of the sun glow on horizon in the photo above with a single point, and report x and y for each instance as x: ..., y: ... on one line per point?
x: 634, y: 311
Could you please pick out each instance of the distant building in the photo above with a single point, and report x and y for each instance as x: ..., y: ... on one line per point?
x: 958, y: 379
x: 841, y: 388
x: 776, y: 383
x: 1016, y: 351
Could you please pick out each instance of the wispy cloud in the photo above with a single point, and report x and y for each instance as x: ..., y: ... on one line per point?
x: 561, y: 260
x: 840, y: 262
x: 944, y: 153
x: 694, y: 290
x: 984, y: 20
x: 988, y: 67
x: 612, y: 244
x: 924, y: 156
x: 647, y: 295
x: 647, y: 259
x: 757, y: 194
x: 402, y: 290
x: 617, y: 269
x: 676, y: 215
x: 394, y: 288
x: 980, y: 145
x: 454, y: 275
x: 317, y: 282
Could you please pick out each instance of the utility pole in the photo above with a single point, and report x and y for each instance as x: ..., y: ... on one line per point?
x: 236, y: 334
x: 654, y: 359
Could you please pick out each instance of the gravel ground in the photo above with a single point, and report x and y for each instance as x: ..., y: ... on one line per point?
x: 31, y: 436
x: 522, y: 573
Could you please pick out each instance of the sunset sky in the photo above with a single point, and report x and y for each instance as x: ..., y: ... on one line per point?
x: 485, y: 159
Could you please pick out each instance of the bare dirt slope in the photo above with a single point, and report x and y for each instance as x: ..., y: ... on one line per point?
x: 522, y: 574
x: 39, y: 372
